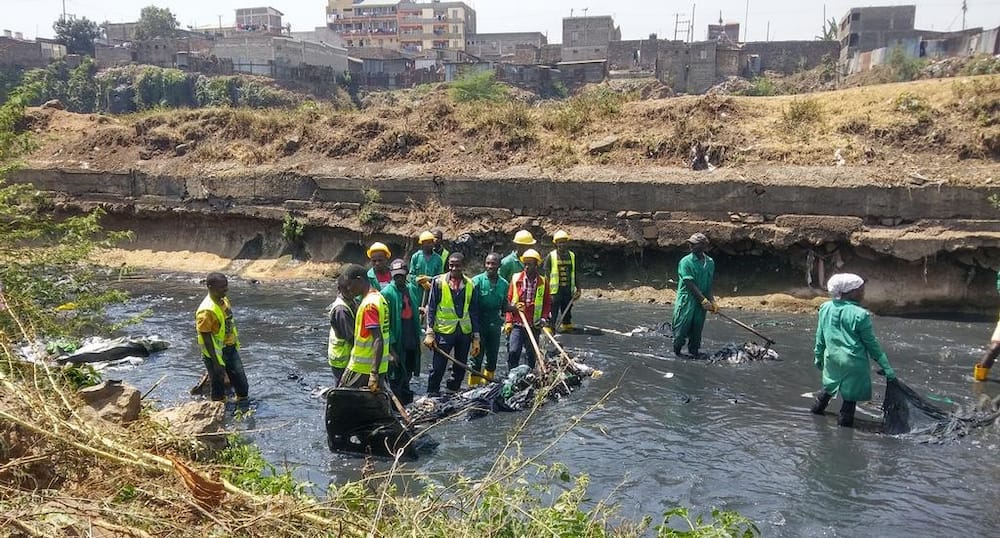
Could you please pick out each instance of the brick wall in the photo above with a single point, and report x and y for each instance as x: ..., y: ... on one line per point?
x: 112, y: 56
x: 621, y: 54
x: 550, y: 54
x: 21, y: 53
x: 791, y: 56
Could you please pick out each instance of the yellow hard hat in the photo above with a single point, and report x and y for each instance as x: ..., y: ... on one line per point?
x: 377, y: 247
x: 531, y: 253
x: 425, y: 237
x: 561, y: 235
x: 524, y: 237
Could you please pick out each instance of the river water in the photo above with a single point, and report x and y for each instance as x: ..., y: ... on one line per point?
x: 672, y: 432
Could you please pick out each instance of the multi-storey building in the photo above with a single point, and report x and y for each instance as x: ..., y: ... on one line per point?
x: 259, y: 19
x: 402, y: 25
x: 587, y: 38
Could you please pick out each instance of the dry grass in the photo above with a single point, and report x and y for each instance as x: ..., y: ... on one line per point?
x: 924, y: 123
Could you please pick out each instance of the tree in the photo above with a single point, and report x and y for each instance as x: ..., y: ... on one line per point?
x: 155, y: 22
x: 829, y: 31
x: 77, y: 34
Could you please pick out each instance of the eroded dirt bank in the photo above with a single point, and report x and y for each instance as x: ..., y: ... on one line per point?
x: 923, y: 246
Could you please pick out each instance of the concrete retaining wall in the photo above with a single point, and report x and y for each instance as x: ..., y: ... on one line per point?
x: 717, y: 199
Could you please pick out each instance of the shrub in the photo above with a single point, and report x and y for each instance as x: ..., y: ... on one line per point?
x: 910, y: 103
x: 903, y: 67
x: 579, y: 111
x: 292, y: 229
x: 480, y: 86
x: 982, y: 65
x: 761, y: 87
x: 369, y: 213
x: 802, y: 112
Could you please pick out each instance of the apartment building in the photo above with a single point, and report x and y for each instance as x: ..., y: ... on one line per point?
x: 408, y: 26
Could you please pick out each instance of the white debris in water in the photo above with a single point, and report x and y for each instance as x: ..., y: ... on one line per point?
x: 668, y: 375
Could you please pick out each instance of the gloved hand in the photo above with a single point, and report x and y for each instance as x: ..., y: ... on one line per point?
x: 576, y: 294
x: 474, y: 350
x: 392, y: 358
x: 430, y: 340
x: 373, y: 382
x: 507, y: 327
x: 424, y: 281
x: 889, y: 373
x: 709, y: 306
x: 520, y: 306
x: 543, y: 323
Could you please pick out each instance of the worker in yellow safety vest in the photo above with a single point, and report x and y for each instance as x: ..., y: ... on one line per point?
x: 351, y: 283
x: 219, y: 340
x: 452, y: 324
x: 529, y: 293
x: 370, y: 355
x: 560, y: 265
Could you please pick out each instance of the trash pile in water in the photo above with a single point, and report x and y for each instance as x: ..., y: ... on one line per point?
x: 744, y: 353
x: 906, y: 412
x: 516, y: 392
x: 96, y: 351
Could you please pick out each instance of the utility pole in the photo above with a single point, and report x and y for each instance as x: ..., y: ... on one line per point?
x: 746, y: 22
x: 691, y: 25
x: 965, y: 7
x: 64, y: 10
x: 768, y: 34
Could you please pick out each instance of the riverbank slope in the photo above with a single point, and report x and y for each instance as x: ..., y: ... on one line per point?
x: 892, y: 181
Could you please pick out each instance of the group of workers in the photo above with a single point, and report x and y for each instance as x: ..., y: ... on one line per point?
x: 380, y: 313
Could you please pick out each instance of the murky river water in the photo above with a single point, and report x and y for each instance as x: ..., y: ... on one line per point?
x: 738, y: 437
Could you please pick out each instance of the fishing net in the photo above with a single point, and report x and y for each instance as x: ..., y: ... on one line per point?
x: 905, y: 411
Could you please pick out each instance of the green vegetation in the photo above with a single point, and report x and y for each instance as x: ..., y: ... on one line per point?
x: 910, y: 103
x: 292, y: 229
x: 761, y: 86
x: 245, y: 467
x: 155, y: 22
x: 478, y: 86
x: 78, y: 34
x: 904, y: 68
x: 723, y: 524
x: 982, y: 65
x: 135, y: 88
x: 41, y: 254
x: 369, y: 213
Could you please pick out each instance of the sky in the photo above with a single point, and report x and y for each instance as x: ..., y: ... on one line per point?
x: 788, y: 20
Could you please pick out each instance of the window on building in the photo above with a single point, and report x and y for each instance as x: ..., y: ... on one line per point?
x: 454, y: 28
x: 703, y: 55
x: 574, y: 36
x: 852, y: 41
x: 454, y: 13
x: 856, y: 16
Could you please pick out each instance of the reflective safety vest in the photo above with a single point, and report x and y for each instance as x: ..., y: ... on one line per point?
x: 363, y: 352
x: 219, y: 337
x: 447, y: 319
x: 516, y: 284
x: 338, y: 352
x: 554, y: 272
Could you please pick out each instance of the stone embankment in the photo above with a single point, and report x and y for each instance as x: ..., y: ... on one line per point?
x: 924, y: 245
